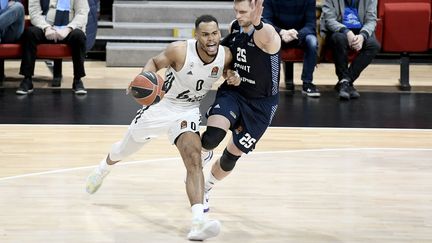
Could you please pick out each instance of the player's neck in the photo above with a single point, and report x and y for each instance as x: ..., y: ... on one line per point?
x: 247, y: 29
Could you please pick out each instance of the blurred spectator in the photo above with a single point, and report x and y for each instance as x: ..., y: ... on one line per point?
x: 295, y: 21
x: 63, y: 21
x: 92, y: 23
x: 11, y: 21
x: 350, y: 24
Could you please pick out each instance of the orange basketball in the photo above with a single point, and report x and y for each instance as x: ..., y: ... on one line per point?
x: 147, y: 88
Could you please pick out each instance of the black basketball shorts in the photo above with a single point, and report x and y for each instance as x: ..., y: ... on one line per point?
x: 249, y: 118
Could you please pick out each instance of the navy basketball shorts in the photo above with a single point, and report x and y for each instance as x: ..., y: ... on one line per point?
x: 249, y: 118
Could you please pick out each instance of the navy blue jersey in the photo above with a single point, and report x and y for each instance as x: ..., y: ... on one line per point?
x: 259, y: 71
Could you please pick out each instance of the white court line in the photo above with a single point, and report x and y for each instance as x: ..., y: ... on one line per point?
x: 179, y: 158
x: 82, y: 168
x: 342, y: 149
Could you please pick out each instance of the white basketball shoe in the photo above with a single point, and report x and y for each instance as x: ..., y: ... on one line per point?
x: 95, y: 179
x: 202, y: 230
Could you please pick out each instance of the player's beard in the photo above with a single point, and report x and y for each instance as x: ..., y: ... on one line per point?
x: 245, y: 24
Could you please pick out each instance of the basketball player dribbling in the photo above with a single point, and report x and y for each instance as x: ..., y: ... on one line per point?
x: 192, y: 68
x: 247, y: 109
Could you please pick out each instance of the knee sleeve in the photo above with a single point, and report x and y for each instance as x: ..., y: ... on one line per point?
x: 212, y: 137
x: 228, y: 160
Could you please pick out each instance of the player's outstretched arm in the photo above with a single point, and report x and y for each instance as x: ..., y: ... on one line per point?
x: 173, y: 56
x: 265, y: 35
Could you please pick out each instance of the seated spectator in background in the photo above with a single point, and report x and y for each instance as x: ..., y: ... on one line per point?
x: 92, y: 24
x: 351, y: 29
x: 295, y: 21
x: 63, y: 22
x: 11, y: 21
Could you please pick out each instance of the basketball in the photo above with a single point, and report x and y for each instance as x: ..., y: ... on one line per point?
x: 147, y: 88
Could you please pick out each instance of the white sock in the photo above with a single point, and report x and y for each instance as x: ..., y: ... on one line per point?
x: 104, y: 166
x: 203, y: 155
x: 210, y: 182
x: 197, y: 212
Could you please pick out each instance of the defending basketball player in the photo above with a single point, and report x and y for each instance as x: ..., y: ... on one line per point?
x: 248, y: 109
x: 193, y: 66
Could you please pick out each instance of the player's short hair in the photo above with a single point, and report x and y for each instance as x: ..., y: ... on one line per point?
x: 206, y: 18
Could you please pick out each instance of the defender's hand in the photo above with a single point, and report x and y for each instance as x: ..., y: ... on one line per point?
x: 233, y: 78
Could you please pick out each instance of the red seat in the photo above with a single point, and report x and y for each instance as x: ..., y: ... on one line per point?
x: 54, y: 51
x: 379, y: 31
x: 401, y: 35
x: 406, y: 29
x: 48, y: 51
x: 10, y: 51
x: 292, y: 55
x: 430, y: 35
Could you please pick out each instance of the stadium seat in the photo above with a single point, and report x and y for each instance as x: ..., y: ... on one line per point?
x: 403, y: 36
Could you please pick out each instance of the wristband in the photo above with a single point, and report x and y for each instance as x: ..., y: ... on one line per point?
x: 259, y: 26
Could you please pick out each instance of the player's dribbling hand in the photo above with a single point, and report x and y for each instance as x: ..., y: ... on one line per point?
x: 233, y: 78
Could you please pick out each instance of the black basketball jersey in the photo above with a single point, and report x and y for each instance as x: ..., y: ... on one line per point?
x: 259, y: 71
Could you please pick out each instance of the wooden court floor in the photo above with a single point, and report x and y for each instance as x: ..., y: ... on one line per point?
x: 299, y: 185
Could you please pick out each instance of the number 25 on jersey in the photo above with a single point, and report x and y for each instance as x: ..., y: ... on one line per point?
x: 241, y: 54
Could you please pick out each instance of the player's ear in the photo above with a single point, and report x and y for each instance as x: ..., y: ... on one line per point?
x: 196, y: 33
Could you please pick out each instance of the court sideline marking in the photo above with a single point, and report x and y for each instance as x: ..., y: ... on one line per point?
x: 216, y: 155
